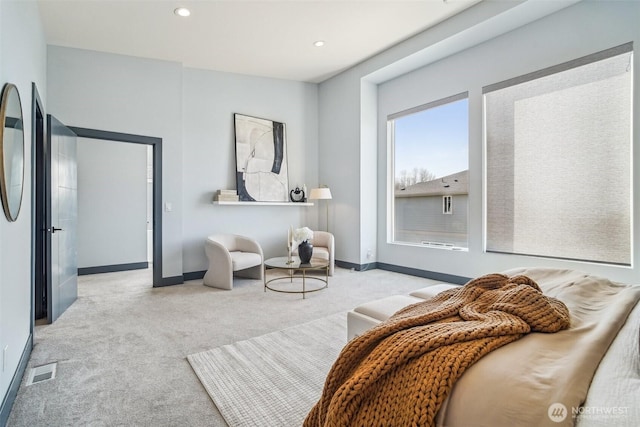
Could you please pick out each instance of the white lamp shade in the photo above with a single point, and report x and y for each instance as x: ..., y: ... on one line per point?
x: 320, y: 193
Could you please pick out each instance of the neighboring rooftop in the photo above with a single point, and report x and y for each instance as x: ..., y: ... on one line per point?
x: 457, y: 183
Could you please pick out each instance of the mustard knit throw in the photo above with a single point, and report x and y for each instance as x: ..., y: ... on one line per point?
x: 400, y: 372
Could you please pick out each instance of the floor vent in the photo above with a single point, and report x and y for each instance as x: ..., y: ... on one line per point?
x: 42, y: 373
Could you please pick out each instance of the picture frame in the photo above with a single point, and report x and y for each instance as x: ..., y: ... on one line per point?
x: 261, y: 159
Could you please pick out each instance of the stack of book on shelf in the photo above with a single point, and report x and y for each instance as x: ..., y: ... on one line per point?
x: 227, y: 196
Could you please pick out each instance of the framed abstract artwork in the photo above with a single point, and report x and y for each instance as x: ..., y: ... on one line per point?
x: 261, y: 160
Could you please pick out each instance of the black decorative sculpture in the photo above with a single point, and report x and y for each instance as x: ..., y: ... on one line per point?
x: 297, y: 195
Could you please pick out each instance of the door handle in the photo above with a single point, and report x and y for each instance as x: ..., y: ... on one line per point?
x: 53, y: 229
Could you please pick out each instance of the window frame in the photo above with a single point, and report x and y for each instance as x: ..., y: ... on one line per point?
x: 391, y: 143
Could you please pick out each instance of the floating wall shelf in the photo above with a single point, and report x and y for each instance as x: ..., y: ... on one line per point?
x: 264, y: 203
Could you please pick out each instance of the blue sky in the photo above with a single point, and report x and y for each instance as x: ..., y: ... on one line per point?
x: 436, y: 139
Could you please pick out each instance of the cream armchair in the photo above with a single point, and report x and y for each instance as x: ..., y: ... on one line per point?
x: 229, y: 254
x: 323, y: 247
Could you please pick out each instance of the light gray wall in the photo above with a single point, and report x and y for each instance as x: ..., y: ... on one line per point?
x: 368, y: 173
x: 340, y: 163
x: 130, y: 95
x: 112, y: 203
x: 192, y: 110
x: 22, y: 61
x: 210, y: 99
x: 348, y: 133
x: 565, y: 34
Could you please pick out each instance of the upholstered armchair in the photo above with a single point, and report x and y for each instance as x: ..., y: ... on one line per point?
x: 231, y: 254
x: 323, y: 247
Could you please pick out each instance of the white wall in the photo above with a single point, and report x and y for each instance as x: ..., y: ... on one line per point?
x: 131, y: 95
x: 210, y: 100
x: 22, y: 61
x: 112, y: 203
x: 568, y: 33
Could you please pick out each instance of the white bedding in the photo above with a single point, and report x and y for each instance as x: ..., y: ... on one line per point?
x: 543, y: 379
x: 614, y: 396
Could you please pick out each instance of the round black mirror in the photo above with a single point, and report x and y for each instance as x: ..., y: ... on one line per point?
x: 11, y: 151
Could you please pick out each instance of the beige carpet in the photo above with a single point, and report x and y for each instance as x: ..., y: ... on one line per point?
x: 274, y: 379
x: 122, y: 347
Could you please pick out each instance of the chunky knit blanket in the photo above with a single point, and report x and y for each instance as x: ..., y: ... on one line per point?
x: 400, y: 372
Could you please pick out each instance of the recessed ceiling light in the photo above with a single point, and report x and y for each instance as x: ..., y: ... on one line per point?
x: 182, y: 11
x: 319, y: 43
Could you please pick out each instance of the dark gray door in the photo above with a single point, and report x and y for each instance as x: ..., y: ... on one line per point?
x: 63, y: 286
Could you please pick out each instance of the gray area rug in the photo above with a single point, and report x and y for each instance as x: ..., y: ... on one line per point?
x: 274, y: 379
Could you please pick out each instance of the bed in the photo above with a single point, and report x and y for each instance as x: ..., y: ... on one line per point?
x: 587, y: 375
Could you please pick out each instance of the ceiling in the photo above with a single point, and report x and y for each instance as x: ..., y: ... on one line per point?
x: 262, y: 37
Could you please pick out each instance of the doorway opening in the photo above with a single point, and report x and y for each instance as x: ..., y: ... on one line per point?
x: 155, y: 203
x: 115, y: 207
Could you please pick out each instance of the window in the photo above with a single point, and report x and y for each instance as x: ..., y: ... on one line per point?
x: 429, y: 164
x: 558, y: 149
x: 446, y: 204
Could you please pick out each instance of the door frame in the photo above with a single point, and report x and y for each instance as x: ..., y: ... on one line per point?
x: 156, y: 144
x: 40, y: 199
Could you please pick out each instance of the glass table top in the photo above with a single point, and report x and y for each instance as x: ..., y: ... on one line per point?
x: 283, y: 262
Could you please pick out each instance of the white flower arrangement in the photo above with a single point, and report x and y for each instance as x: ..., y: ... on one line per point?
x: 301, y: 235
x: 295, y: 237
